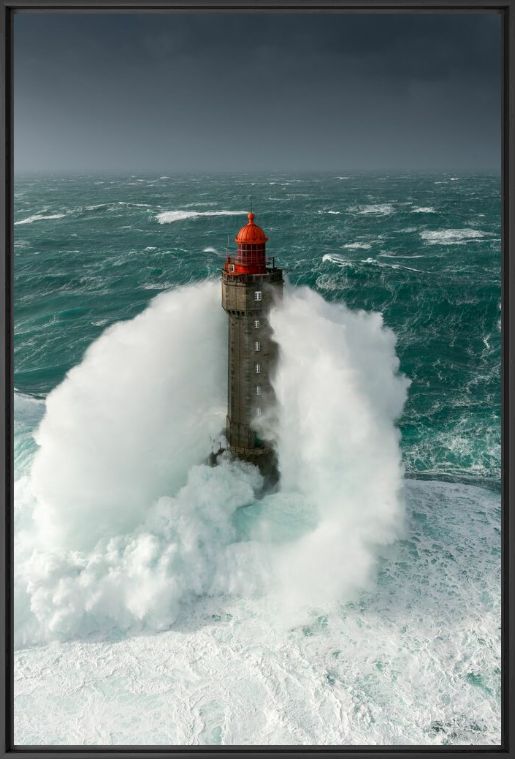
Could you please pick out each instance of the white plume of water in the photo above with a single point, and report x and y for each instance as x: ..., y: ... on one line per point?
x: 127, y: 424
x: 339, y: 392
x: 124, y: 524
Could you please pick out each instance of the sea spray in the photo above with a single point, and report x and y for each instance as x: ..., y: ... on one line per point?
x: 129, y: 526
x: 137, y: 580
x: 339, y: 394
x: 127, y: 423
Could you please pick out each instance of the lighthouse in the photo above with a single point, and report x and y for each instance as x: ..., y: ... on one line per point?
x: 251, y: 283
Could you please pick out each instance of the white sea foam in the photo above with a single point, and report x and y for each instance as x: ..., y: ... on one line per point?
x: 357, y: 246
x: 416, y: 661
x: 451, y: 236
x: 423, y: 209
x: 329, y: 283
x: 382, y: 264
x: 168, y: 217
x: 397, y: 255
x: 135, y: 526
x: 209, y: 249
x: 40, y: 217
x: 379, y: 209
x: 334, y: 258
x: 339, y: 393
x: 120, y: 528
x: 127, y: 422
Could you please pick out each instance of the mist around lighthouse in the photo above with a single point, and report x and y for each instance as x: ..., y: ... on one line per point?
x: 257, y: 380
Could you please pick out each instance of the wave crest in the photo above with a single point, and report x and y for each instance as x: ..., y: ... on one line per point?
x: 122, y: 523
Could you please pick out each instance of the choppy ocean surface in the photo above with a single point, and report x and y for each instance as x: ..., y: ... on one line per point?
x: 405, y: 648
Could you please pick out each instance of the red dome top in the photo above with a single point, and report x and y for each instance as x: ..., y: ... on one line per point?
x: 251, y: 234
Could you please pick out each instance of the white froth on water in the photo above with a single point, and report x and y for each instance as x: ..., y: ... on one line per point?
x: 40, y: 217
x: 357, y: 246
x: 335, y: 258
x: 134, y: 524
x: 451, y: 236
x: 177, y: 606
x: 339, y: 393
x: 414, y: 661
x: 168, y: 217
x: 126, y: 425
x: 382, y: 264
x: 378, y: 209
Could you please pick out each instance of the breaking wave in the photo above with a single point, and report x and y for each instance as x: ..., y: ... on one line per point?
x: 168, y: 217
x: 379, y: 209
x: 357, y: 246
x: 451, y: 236
x: 334, y: 258
x: 40, y: 217
x: 122, y: 525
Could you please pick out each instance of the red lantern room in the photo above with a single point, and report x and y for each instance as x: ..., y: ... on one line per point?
x: 250, y: 254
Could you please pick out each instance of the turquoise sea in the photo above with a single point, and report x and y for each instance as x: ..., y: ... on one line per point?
x: 424, y: 250
x: 412, y: 654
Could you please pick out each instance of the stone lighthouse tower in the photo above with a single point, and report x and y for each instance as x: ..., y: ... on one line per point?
x: 250, y: 284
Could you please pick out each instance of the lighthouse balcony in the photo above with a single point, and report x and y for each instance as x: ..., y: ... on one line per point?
x: 271, y: 272
x: 235, y: 267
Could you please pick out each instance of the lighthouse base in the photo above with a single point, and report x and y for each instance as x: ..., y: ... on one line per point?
x: 265, y: 459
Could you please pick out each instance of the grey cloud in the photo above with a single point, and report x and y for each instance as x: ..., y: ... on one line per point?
x: 207, y: 92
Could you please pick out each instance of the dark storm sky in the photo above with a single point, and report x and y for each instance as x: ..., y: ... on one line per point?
x: 185, y: 92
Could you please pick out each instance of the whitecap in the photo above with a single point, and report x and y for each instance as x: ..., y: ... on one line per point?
x: 380, y: 209
x: 451, y: 236
x: 384, y: 265
x: 334, y: 258
x: 393, y: 255
x: 133, y: 205
x: 168, y: 217
x: 157, y: 286
x: 201, y: 203
x: 40, y: 217
x: 423, y: 209
x: 357, y: 246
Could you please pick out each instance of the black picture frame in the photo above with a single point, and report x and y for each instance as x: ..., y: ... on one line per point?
x: 507, y: 11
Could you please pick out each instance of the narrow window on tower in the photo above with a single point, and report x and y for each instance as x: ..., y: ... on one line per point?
x: 258, y: 295
x: 258, y: 389
x: 257, y: 345
x: 258, y: 411
x: 258, y: 368
x: 257, y: 323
